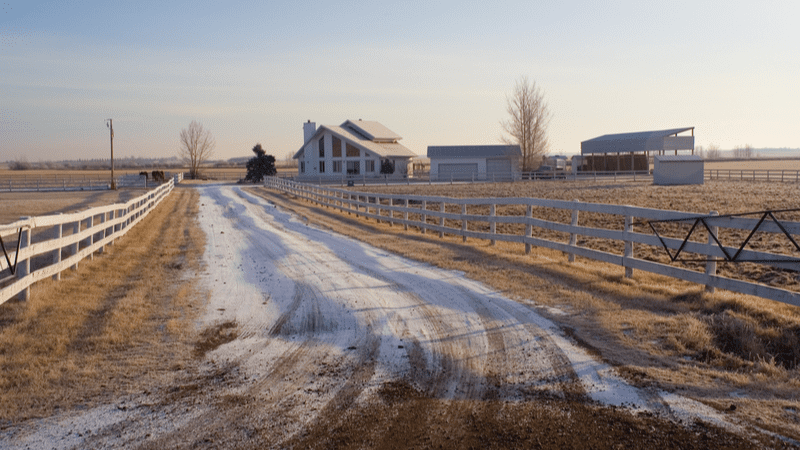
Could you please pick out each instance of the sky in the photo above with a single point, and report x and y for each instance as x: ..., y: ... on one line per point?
x: 434, y: 72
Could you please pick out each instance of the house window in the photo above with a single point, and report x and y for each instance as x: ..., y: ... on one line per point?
x: 370, y: 165
x: 322, y: 147
x: 337, y: 166
x: 352, y: 151
x: 302, y: 167
x: 353, y: 168
x: 322, y: 167
x: 337, y: 147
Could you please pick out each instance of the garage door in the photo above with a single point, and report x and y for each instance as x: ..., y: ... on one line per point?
x: 498, y: 169
x: 458, y: 171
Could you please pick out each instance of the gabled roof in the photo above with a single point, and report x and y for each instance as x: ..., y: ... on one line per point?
x: 373, y: 131
x: 355, y: 132
x: 639, y: 141
x: 473, y: 151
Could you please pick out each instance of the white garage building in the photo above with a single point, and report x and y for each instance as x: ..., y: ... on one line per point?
x: 474, y: 162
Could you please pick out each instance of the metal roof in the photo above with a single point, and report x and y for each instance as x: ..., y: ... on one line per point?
x: 640, y: 141
x: 473, y: 151
x: 373, y: 131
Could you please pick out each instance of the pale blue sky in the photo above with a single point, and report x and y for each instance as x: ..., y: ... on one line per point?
x: 437, y: 73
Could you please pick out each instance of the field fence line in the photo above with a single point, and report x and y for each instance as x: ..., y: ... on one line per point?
x: 63, y: 240
x: 431, y: 215
x: 44, y: 183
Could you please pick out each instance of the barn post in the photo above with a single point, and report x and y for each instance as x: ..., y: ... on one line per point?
x: 492, y: 223
x: 405, y: 214
x: 424, y: 216
x: 573, y: 238
x: 711, y: 264
x: 528, y: 227
x: 628, y: 245
x: 463, y: 222
x: 59, y: 233
x: 24, y: 267
x: 441, y: 219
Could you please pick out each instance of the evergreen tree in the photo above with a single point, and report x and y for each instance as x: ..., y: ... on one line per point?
x: 260, y: 166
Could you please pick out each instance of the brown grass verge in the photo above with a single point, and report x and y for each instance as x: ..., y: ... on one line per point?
x: 658, y: 331
x: 120, y: 324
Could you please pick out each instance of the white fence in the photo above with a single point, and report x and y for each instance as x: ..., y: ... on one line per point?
x: 63, y: 240
x: 753, y: 175
x: 397, y: 209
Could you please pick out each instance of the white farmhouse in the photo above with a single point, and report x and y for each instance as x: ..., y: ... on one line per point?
x: 355, y: 148
x: 475, y: 162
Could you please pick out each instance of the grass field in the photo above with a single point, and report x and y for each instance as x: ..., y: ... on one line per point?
x: 14, y: 205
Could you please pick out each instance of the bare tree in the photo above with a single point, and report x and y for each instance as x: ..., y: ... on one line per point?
x: 528, y: 123
x: 712, y: 152
x: 743, y: 152
x: 698, y: 150
x: 197, y: 146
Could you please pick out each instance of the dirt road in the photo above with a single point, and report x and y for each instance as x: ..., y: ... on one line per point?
x: 320, y: 341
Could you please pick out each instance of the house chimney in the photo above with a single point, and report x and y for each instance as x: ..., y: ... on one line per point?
x: 309, y: 128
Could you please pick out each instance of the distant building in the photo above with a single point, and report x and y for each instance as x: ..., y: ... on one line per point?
x: 474, y: 162
x: 355, y: 148
x: 632, y: 151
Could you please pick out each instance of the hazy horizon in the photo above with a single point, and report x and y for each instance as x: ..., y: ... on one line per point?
x: 435, y: 73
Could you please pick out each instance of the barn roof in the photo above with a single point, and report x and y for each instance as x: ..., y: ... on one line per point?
x: 473, y: 151
x: 640, y: 141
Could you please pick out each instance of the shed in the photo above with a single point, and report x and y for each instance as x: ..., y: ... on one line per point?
x: 474, y: 162
x: 631, y: 151
x: 678, y: 169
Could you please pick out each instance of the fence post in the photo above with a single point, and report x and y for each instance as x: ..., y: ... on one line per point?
x: 573, y: 238
x: 424, y: 216
x: 405, y: 214
x: 102, y: 221
x: 441, y: 219
x: 711, y: 264
x: 76, y: 228
x: 377, y: 209
x: 492, y: 223
x: 59, y: 233
x: 24, y: 267
x: 528, y: 228
x: 463, y: 222
x: 628, y: 245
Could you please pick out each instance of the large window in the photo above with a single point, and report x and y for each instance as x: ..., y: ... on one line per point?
x: 302, y: 167
x: 353, y: 168
x: 337, y: 166
x: 370, y: 165
x: 322, y: 147
x: 337, y: 147
x: 322, y: 167
x: 352, y: 151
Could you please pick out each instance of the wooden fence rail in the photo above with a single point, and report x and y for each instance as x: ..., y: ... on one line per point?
x: 89, y: 232
x: 395, y: 209
x: 753, y: 175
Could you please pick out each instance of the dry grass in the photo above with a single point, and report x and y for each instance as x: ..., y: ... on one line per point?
x: 657, y: 330
x: 120, y: 323
x: 14, y: 205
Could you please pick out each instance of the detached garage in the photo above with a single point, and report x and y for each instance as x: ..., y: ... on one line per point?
x: 474, y: 162
x: 678, y: 169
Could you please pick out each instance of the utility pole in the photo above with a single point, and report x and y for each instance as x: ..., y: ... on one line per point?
x: 110, y: 125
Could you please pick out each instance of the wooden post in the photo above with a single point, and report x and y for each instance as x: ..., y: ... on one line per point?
x: 405, y: 214
x: 102, y: 221
x: 463, y: 222
x: 492, y: 223
x: 24, y: 266
x: 711, y: 264
x: 59, y: 233
x: 441, y: 219
x: 377, y: 209
x: 528, y: 228
x: 628, y: 245
x: 424, y: 216
x: 573, y: 238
